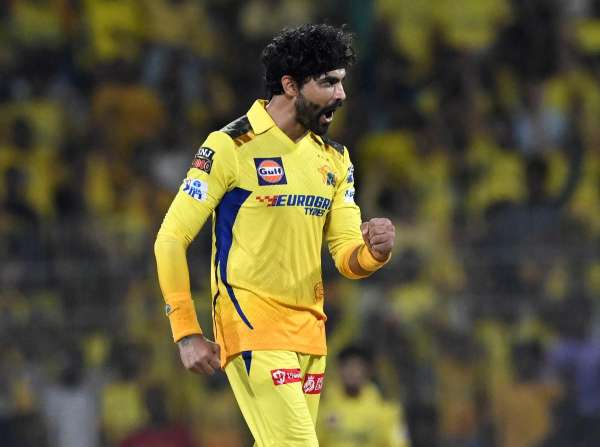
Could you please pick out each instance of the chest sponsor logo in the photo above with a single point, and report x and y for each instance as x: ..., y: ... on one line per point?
x: 203, y: 159
x: 313, y: 205
x: 270, y: 171
x: 283, y: 376
x: 196, y: 189
x: 313, y: 383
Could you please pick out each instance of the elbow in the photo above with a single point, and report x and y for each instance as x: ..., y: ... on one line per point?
x: 166, y: 242
x: 158, y: 244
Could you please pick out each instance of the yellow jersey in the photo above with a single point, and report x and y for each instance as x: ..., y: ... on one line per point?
x: 362, y: 421
x: 272, y: 201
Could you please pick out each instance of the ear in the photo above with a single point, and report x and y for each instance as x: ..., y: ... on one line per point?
x: 290, y: 86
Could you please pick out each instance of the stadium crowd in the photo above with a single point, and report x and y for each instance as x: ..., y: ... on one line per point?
x: 474, y: 127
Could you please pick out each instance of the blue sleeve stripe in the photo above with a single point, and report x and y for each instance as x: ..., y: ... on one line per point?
x: 226, y: 214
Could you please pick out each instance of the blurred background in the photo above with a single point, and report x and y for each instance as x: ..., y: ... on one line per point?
x: 474, y: 125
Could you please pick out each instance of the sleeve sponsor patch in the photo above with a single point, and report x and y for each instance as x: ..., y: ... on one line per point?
x: 350, y: 174
x: 196, y: 189
x: 203, y: 159
x: 349, y: 195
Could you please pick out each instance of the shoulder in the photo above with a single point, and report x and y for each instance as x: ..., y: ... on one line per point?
x: 339, y: 151
x: 231, y: 135
x: 339, y: 147
x: 237, y: 129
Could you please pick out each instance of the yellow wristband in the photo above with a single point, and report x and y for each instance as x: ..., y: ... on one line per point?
x: 367, y: 261
x: 182, y: 316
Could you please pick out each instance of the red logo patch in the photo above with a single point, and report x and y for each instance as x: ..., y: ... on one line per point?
x: 283, y: 376
x: 203, y: 164
x: 313, y: 383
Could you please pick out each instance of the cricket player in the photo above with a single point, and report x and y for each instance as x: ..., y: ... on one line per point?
x: 275, y: 186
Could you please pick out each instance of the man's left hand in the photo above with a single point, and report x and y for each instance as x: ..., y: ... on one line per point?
x: 379, y: 234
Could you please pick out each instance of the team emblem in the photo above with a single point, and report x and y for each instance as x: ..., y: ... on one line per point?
x: 270, y: 171
x: 319, y: 292
x: 328, y: 176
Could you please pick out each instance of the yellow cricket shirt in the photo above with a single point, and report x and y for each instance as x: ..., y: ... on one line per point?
x: 272, y: 201
x: 362, y: 421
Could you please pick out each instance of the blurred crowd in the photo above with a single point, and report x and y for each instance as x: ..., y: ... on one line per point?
x: 474, y: 125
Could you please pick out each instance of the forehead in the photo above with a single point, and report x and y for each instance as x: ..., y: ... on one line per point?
x: 338, y: 73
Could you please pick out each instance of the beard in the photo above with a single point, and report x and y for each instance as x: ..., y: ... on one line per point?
x: 309, y: 114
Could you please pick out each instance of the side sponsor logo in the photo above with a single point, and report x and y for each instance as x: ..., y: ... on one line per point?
x: 203, y: 159
x: 283, y: 376
x: 313, y: 383
x: 270, y: 171
x: 313, y: 205
x: 196, y: 189
x: 349, y: 195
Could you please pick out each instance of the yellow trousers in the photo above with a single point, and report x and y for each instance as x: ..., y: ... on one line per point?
x: 278, y: 393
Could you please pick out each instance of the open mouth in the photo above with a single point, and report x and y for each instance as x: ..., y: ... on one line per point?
x: 327, y: 115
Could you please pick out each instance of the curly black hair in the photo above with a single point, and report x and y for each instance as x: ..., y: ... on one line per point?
x: 306, y: 52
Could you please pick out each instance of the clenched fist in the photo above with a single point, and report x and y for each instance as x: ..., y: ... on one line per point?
x: 199, y: 354
x: 379, y: 234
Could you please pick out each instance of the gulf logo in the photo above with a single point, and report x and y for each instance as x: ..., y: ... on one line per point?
x: 270, y: 171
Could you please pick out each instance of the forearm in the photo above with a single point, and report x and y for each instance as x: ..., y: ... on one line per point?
x: 173, y: 276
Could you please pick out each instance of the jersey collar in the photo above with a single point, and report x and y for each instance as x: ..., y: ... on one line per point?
x: 259, y: 118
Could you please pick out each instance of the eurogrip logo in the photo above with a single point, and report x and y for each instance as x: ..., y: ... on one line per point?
x: 270, y: 171
x: 313, y: 205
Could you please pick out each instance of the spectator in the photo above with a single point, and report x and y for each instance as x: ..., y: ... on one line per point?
x: 353, y: 412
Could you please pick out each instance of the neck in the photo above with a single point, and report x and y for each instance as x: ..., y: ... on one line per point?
x: 283, y: 112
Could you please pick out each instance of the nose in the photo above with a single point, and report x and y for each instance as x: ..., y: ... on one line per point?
x: 339, y: 93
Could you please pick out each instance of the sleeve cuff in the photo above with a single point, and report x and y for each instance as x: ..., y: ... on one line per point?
x: 368, y: 262
x: 182, y: 316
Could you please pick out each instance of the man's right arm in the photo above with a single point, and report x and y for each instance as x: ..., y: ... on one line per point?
x: 213, y: 172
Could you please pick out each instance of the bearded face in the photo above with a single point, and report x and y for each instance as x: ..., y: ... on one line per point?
x: 314, y: 117
x: 318, y: 99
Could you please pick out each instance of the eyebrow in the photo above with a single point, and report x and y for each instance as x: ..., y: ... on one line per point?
x: 331, y: 79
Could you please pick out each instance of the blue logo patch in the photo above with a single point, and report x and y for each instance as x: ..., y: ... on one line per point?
x: 196, y: 189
